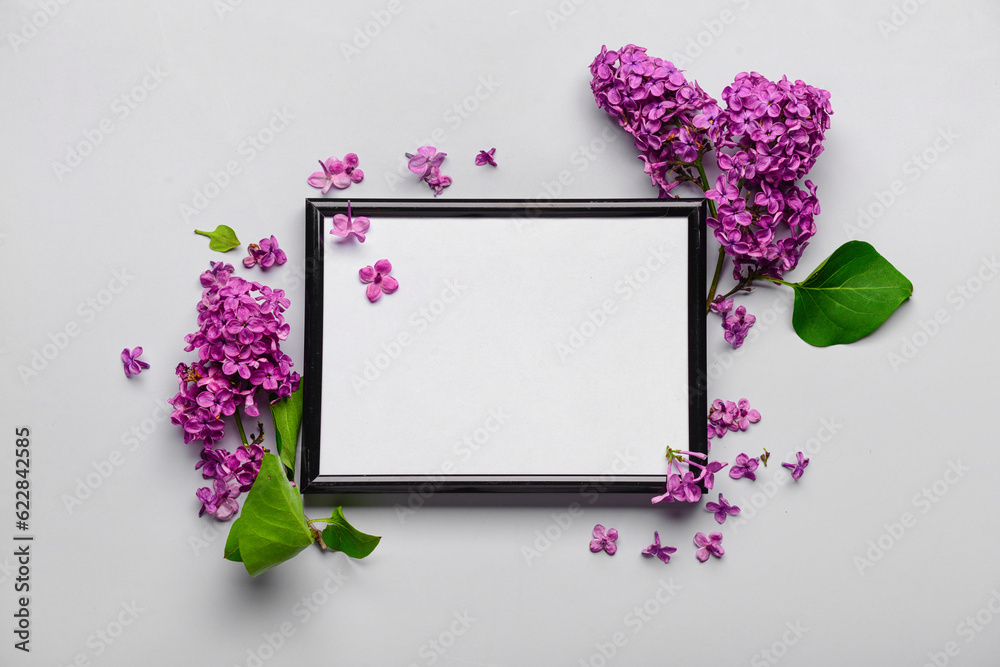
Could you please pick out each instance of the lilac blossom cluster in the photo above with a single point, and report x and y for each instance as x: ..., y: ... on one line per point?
x: 667, y: 115
x: 266, y: 253
x: 427, y: 164
x: 239, y: 363
x: 684, y: 485
x: 767, y: 138
x: 737, y: 325
x: 231, y: 475
x: 725, y: 416
x: 336, y: 173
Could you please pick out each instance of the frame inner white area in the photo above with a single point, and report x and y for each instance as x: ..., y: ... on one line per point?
x: 512, y: 347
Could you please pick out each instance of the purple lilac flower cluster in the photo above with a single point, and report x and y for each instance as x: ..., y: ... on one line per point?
x: 427, y: 164
x: 767, y: 138
x: 231, y: 475
x: 667, y: 115
x: 240, y: 362
x: 737, y: 325
x: 266, y: 253
x: 683, y: 485
x: 336, y: 173
x: 725, y: 416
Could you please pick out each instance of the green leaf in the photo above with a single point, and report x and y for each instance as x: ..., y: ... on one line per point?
x: 223, y: 238
x: 287, y: 414
x: 848, y: 296
x: 232, y: 551
x: 340, y: 535
x: 271, y: 528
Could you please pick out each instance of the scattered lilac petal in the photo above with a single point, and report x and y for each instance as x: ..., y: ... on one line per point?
x: 378, y: 280
x: 797, y: 468
x: 743, y: 466
x: 721, y: 306
x: 604, y: 539
x: 336, y: 173
x: 737, y: 326
x: 266, y: 253
x: 427, y: 164
x: 486, y: 157
x: 661, y: 552
x: 346, y: 228
x: 722, y: 509
x: 427, y: 158
x: 438, y: 181
x: 708, y: 546
x: 133, y: 366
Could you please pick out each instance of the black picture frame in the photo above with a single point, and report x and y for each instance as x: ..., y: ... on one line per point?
x: 691, y: 213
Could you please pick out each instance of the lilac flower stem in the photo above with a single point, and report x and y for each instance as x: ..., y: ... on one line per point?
x: 722, y: 251
x: 742, y: 285
x: 775, y: 280
x: 705, y: 186
x: 239, y: 425
x: 715, y: 279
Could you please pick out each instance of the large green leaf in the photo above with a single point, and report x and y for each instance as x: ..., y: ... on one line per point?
x: 340, y: 535
x: 223, y: 238
x: 232, y: 551
x: 272, y: 527
x: 848, y: 296
x: 287, y: 414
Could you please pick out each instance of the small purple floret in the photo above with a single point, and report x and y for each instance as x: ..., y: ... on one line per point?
x: 604, y: 539
x: 797, y: 468
x: 133, y: 366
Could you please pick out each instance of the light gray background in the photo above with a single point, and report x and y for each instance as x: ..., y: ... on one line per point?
x: 881, y: 432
